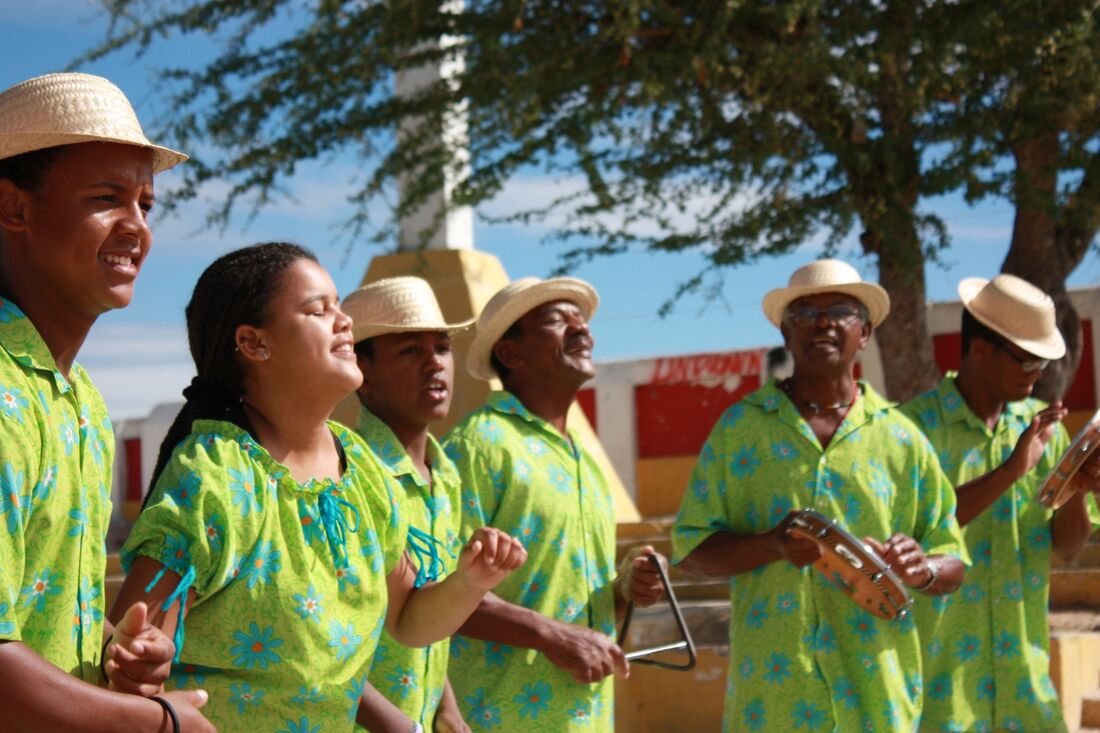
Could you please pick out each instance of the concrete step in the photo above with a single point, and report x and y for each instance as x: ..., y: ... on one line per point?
x: 1075, y: 587
x: 1090, y: 709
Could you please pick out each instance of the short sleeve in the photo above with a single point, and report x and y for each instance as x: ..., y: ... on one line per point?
x: 18, y: 474
x: 478, y: 479
x: 936, y: 527
x: 190, y: 520
x: 703, y: 510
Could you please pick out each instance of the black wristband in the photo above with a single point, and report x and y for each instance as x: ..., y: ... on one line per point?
x: 171, y: 711
x: 103, y: 658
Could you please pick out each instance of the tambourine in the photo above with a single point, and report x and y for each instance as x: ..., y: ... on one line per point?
x: 853, y: 566
x: 641, y: 656
x: 1056, y: 488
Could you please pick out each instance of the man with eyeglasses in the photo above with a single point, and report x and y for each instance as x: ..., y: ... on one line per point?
x: 986, y: 647
x: 801, y: 652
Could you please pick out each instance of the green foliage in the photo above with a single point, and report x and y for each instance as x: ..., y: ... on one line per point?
x: 739, y: 128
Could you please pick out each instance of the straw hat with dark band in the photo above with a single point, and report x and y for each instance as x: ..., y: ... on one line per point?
x: 514, y: 301
x: 396, y: 305
x: 827, y: 276
x: 62, y: 109
x: 1017, y: 310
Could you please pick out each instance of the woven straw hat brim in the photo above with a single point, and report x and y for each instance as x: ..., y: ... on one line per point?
x: 12, y: 145
x: 364, y: 331
x: 65, y: 109
x: 873, y: 296
x: 402, y: 304
x: 513, y: 302
x: 1027, y: 320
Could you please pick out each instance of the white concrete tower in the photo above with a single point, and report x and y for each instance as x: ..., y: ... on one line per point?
x: 443, y: 225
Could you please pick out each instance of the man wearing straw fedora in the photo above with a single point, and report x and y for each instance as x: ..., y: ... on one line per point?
x: 801, y: 652
x: 546, y: 649
x: 76, y: 187
x: 403, y: 345
x: 986, y: 648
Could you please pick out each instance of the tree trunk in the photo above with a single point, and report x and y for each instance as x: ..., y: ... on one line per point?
x: 903, y: 338
x: 1044, y: 252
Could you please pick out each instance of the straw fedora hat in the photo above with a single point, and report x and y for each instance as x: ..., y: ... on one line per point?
x: 62, y: 109
x: 1017, y: 310
x: 396, y: 305
x: 827, y: 276
x: 511, y: 303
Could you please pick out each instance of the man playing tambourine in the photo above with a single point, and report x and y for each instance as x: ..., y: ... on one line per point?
x: 986, y: 655
x: 800, y: 651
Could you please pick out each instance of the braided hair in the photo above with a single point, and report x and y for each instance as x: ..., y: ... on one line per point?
x: 235, y: 290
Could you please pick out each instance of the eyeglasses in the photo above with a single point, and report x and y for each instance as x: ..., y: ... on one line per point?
x: 805, y: 315
x: 1027, y: 363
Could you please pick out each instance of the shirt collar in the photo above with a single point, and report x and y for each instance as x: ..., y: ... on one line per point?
x: 21, y: 339
x: 507, y: 403
x: 956, y: 410
x: 384, y: 444
x: 772, y: 398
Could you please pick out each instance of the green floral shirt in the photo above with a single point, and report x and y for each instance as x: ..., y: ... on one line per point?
x: 803, y: 656
x: 986, y: 648
x: 56, y: 451
x: 286, y: 617
x: 522, y: 476
x: 413, y: 678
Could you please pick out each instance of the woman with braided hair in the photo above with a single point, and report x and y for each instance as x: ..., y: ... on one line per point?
x: 268, y: 527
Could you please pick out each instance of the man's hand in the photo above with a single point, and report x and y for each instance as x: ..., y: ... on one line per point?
x: 638, y: 580
x: 797, y: 550
x: 1033, y: 441
x: 586, y: 654
x: 905, y: 557
x: 139, y: 657
x: 186, y: 703
x: 489, y: 557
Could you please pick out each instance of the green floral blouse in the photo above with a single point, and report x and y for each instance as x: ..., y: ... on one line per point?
x: 986, y: 647
x: 56, y: 453
x: 803, y: 656
x: 289, y: 578
x: 522, y: 476
x: 413, y: 678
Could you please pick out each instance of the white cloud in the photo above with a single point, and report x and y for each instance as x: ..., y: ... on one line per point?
x: 146, y: 343
x: 133, y: 390
x: 136, y: 366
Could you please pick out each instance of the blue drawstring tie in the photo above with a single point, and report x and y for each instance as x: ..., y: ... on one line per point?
x: 180, y: 595
x: 423, y: 547
x: 336, y: 525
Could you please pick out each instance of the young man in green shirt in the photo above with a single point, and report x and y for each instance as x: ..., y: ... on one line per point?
x: 76, y: 186
x: 403, y: 346
x: 546, y: 649
x: 986, y: 648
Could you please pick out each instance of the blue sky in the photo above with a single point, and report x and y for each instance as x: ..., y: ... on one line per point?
x: 138, y: 356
